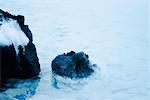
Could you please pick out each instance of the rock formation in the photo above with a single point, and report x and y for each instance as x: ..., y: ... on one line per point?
x: 72, y: 65
x: 18, y: 57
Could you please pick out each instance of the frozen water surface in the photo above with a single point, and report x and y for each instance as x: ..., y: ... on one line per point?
x: 113, y: 32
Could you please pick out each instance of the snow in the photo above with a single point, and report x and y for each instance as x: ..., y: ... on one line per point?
x: 113, y: 32
x: 11, y: 33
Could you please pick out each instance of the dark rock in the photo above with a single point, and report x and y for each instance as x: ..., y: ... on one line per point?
x: 20, y: 19
x: 26, y: 63
x: 72, y: 65
x: 27, y: 31
x: 8, y: 62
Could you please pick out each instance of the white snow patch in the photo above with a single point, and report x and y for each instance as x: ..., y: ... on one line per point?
x: 11, y: 33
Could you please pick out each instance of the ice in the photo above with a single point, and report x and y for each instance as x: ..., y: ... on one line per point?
x: 114, y: 33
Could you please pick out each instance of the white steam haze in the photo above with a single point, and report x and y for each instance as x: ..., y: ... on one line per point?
x: 114, y: 33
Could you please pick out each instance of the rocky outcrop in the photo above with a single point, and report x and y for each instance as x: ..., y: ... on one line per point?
x: 72, y: 65
x: 21, y: 64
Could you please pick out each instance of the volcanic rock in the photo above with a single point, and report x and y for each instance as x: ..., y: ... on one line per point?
x: 72, y: 65
x: 18, y: 56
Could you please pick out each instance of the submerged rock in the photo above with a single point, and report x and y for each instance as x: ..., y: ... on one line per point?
x: 18, y: 57
x: 72, y: 65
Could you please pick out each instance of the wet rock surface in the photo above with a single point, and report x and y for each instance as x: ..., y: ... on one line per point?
x: 25, y: 64
x: 72, y: 65
x: 20, y: 89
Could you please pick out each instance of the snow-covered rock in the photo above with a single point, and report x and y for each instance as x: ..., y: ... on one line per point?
x: 72, y: 65
x: 18, y: 57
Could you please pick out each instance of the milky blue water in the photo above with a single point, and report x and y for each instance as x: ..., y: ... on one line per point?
x: 113, y: 32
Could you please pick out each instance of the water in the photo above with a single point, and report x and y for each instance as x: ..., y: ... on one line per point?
x: 113, y: 32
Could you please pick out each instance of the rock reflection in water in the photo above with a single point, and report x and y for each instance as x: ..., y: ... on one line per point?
x: 21, y: 90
